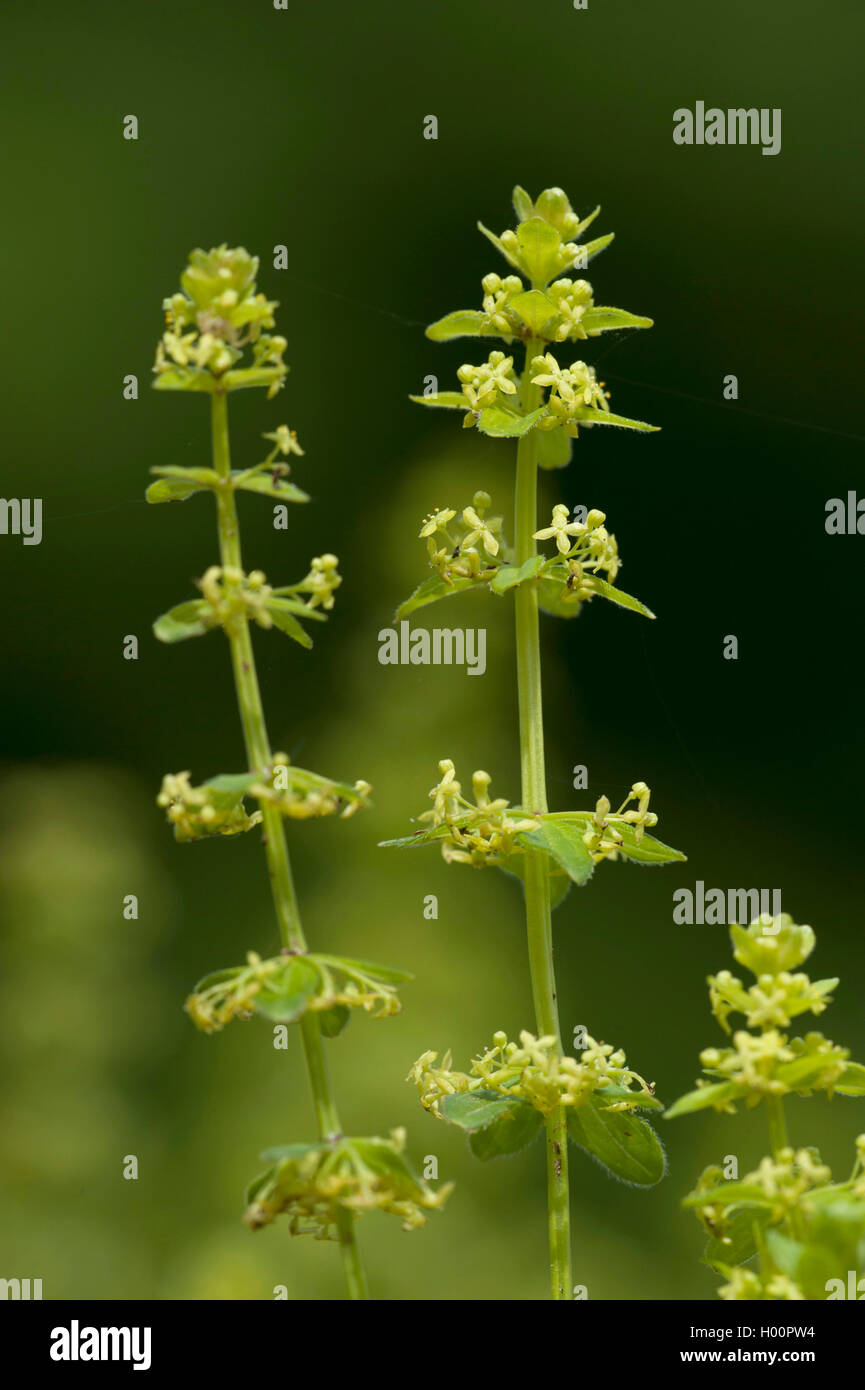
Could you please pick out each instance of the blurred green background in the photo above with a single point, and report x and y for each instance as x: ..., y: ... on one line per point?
x: 304, y: 127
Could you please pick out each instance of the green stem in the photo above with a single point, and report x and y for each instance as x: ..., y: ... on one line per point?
x: 273, y: 831
x: 777, y: 1141
x: 777, y: 1125
x: 534, y: 800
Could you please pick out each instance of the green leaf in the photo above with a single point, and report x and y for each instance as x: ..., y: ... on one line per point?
x: 560, y: 883
x: 218, y: 977
x: 609, y: 591
x: 184, y: 379
x: 385, y: 973
x: 183, y: 621
x: 851, y: 1081
x: 601, y: 319
x: 649, y: 850
x: 170, y: 490
x: 555, y: 598
x: 534, y: 308
x: 799, y: 1073
x: 539, y: 245
x: 445, y: 400
x: 810, y: 1266
x: 267, y: 485
x: 586, y: 222
x: 590, y: 415
x: 286, y: 622
x: 704, y: 1097
x: 259, y: 1182
x: 510, y: 575
x: 740, y: 1243
x: 496, y: 241
x: 514, y: 1130
x: 626, y: 1146
x: 430, y: 591
x: 286, y: 995
x: 332, y: 1021
x: 564, y: 844
x: 176, y: 484
x: 639, y: 1099
x: 231, y: 785
x: 383, y: 1157
x: 463, y: 323
x: 241, y: 378
x: 594, y: 248
x: 523, y: 205
x: 728, y: 1194
x: 553, y: 448
x: 474, y: 1110
x: 502, y: 424
x: 497, y: 1126
x: 420, y: 837
x: 281, y: 1151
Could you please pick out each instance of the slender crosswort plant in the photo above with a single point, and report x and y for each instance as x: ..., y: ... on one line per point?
x: 785, y: 1230
x: 514, y: 1089
x: 218, y: 339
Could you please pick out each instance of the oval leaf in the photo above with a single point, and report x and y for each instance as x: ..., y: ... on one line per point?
x: 501, y: 424
x: 703, y: 1097
x: 534, y: 309
x: 186, y: 620
x: 564, y: 844
x: 626, y: 1146
x: 286, y: 995
x: 267, y: 485
x: 445, y: 400
x: 601, y: 319
x: 463, y: 323
x: 332, y: 1021
x: 553, y: 448
x: 430, y: 591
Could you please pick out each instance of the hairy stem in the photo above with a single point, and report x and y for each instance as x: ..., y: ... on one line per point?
x: 534, y: 799
x: 273, y: 832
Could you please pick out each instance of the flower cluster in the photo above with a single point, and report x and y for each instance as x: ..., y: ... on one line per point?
x: 533, y: 1070
x: 588, y: 549
x: 302, y: 795
x: 603, y: 838
x: 311, y: 1183
x: 498, y: 316
x: 197, y: 812
x: 572, y: 300
x: 770, y: 1064
x: 774, y: 1001
x: 792, y: 1191
x: 570, y: 389
x: 477, y: 832
x: 210, y: 323
x: 505, y: 306
x: 232, y: 596
x: 288, y: 985
x: 469, y: 550
x: 320, y: 583
x: 486, y: 384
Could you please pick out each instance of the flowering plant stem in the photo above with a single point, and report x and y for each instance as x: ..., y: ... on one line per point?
x: 777, y: 1124
x: 534, y: 799
x: 273, y: 834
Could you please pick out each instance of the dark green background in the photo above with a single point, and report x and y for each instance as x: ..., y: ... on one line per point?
x: 304, y: 127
